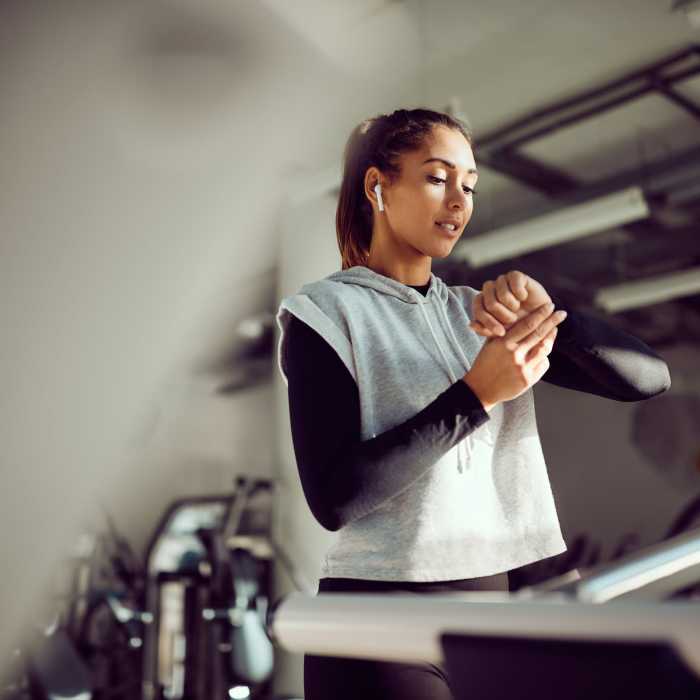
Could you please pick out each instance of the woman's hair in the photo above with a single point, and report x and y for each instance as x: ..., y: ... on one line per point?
x: 378, y: 141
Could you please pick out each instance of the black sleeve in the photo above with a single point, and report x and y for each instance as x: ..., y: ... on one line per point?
x: 343, y: 477
x: 594, y: 357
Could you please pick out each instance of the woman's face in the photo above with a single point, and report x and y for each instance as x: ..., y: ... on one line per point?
x: 430, y: 190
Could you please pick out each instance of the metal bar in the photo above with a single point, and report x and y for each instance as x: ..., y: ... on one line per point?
x: 545, y: 178
x: 407, y: 627
x: 682, y: 74
x: 649, y: 574
x: 662, y: 174
x: 682, y: 195
x: 580, y: 115
x: 563, y: 105
x: 683, y: 102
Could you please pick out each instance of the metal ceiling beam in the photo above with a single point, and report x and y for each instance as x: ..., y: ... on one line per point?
x: 498, y: 149
x: 579, y: 116
x: 667, y: 246
x: 659, y: 177
x: 545, y: 178
x: 683, y: 102
x: 504, y: 136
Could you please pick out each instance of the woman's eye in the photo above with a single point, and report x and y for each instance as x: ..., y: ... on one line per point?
x: 467, y: 190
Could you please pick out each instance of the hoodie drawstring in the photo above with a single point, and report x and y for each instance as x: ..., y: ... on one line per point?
x: 462, y: 461
x: 364, y: 276
x: 454, y: 337
x: 469, y: 443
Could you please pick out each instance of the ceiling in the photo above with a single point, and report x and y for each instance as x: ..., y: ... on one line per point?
x: 498, y: 65
x: 501, y: 64
x: 640, y: 129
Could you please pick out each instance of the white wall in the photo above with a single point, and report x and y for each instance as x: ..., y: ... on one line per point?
x: 200, y: 442
x: 145, y: 149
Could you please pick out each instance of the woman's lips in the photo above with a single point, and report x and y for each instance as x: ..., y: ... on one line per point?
x: 447, y: 231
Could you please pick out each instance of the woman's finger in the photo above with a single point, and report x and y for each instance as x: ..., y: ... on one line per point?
x: 517, y: 281
x: 480, y: 329
x: 493, y: 305
x: 543, y: 348
x: 485, y: 318
x: 505, y: 295
x: 540, y: 369
x: 541, y: 331
x: 526, y: 325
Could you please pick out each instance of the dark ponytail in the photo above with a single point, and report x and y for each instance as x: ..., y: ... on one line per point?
x: 378, y: 141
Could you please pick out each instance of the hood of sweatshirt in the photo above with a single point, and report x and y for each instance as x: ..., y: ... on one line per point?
x: 437, y: 297
x: 365, y: 277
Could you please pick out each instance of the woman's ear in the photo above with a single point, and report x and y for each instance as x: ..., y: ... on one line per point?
x: 373, y: 187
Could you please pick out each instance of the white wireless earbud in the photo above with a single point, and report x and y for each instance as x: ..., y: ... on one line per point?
x: 378, y: 190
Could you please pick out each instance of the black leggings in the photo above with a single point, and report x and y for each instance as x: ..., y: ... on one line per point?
x: 330, y: 678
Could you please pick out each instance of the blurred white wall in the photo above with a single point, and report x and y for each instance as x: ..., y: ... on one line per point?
x: 145, y: 152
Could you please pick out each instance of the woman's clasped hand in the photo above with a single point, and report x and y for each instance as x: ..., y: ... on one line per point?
x: 517, y: 316
x: 502, y: 302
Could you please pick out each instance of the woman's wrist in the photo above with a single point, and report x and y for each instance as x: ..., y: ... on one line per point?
x: 478, y: 391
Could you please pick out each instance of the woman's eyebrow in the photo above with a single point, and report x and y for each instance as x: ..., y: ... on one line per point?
x: 449, y: 164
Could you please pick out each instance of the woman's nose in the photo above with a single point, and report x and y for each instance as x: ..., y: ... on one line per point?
x: 459, y: 200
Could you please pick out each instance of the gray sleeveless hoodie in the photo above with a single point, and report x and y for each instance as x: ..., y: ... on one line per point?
x: 486, y: 506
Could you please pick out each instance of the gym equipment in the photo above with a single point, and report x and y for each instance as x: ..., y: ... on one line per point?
x: 208, y: 600
x: 636, y: 640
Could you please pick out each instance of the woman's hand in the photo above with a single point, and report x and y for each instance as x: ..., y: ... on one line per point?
x: 503, y: 302
x: 506, y: 367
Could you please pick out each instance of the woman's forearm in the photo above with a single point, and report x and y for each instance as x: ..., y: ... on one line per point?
x: 592, y: 356
x: 343, y: 477
x: 362, y: 476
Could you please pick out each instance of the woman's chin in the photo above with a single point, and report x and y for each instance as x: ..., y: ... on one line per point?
x: 436, y: 248
x: 441, y: 251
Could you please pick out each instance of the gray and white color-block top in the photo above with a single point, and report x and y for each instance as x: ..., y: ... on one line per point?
x: 486, y: 505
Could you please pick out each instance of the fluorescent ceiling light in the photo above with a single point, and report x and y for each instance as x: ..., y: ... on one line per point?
x: 555, y: 227
x: 630, y: 295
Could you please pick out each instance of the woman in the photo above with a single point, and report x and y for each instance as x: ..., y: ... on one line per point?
x: 411, y: 407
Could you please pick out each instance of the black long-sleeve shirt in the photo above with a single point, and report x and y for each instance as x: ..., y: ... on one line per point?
x: 344, y: 477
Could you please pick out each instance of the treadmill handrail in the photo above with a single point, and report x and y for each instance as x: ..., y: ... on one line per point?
x: 407, y: 627
x: 647, y: 574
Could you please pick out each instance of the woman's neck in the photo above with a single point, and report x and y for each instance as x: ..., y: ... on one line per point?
x: 414, y: 273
